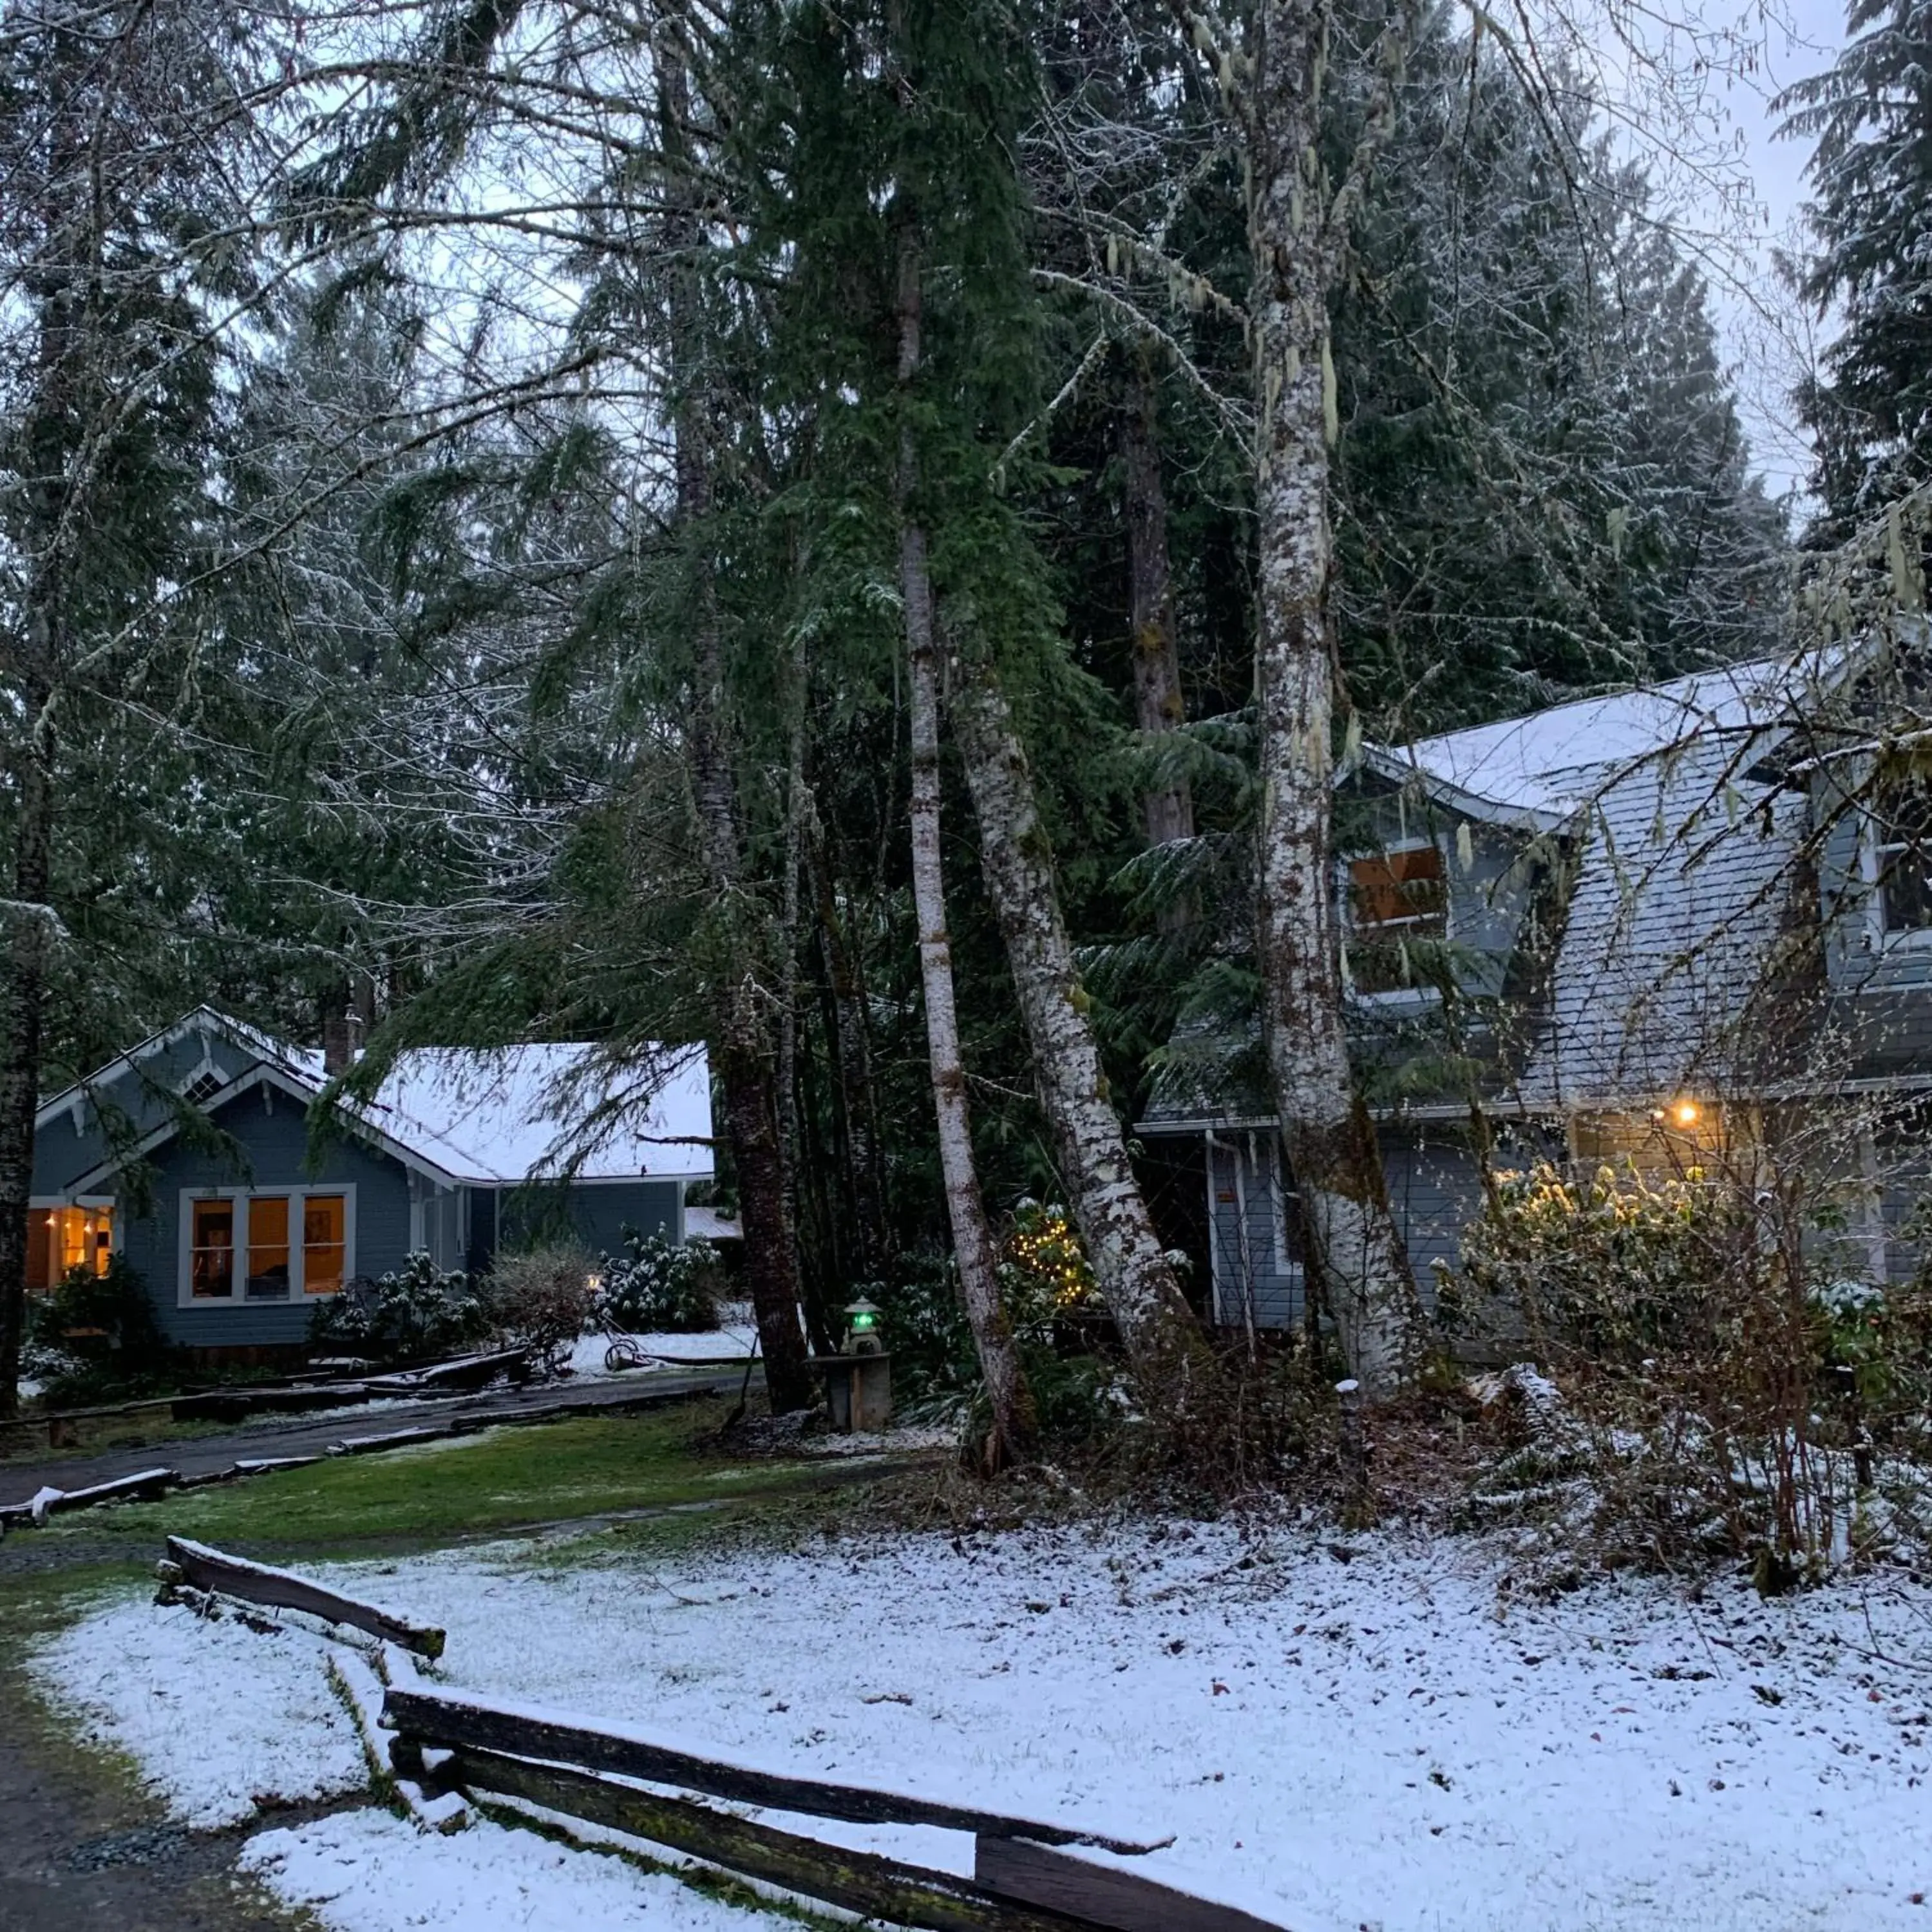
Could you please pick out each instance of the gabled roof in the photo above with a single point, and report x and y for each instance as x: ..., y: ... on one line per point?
x: 486, y: 1118
x: 1545, y: 765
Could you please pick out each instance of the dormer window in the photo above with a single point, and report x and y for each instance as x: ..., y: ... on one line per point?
x: 1901, y: 862
x: 1396, y: 899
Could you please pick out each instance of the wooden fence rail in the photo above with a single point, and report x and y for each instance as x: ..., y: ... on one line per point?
x: 1026, y: 1879
x: 207, y: 1569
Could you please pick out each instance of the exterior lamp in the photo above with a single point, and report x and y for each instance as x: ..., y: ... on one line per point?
x: 863, y: 1336
x: 1685, y: 1112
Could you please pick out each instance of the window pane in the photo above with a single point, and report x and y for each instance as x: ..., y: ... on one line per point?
x: 100, y: 1238
x: 43, y: 1249
x: 268, y: 1248
x: 1402, y: 892
x: 1905, y: 890
x: 212, y: 1254
x: 325, y: 1242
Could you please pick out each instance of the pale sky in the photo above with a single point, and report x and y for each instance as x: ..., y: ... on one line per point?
x: 1768, y: 341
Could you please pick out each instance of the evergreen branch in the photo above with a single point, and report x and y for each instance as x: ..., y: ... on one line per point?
x: 1233, y: 419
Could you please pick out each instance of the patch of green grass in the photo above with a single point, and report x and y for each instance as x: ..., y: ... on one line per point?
x: 503, y: 1481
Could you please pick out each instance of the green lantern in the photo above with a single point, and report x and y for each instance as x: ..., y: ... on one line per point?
x: 863, y: 1336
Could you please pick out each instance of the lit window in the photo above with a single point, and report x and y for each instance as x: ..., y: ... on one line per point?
x: 268, y: 1248
x: 1902, y: 858
x: 60, y: 1240
x: 211, y: 1252
x: 325, y: 1243
x: 1394, y: 899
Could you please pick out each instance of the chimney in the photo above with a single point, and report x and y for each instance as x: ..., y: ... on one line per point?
x: 338, y: 1043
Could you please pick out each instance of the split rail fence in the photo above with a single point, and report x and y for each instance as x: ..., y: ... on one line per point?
x: 1029, y: 1875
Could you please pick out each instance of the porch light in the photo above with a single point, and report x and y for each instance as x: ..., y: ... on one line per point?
x: 1686, y: 1112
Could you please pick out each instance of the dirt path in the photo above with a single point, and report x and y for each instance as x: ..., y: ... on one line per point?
x: 206, y: 1455
x: 80, y: 1852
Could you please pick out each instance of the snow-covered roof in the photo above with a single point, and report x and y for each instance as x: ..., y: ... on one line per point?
x: 522, y: 1112
x: 1550, y: 762
x: 501, y: 1117
x: 1685, y: 855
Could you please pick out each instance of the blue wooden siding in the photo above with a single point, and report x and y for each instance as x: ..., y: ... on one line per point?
x: 595, y: 1213
x: 272, y: 1129
x: 137, y: 1100
x: 1434, y: 1188
x: 1257, y: 1276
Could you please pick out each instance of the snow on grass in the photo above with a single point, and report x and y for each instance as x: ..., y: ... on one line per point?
x: 366, y: 1871
x: 1335, y: 1744
x: 223, y: 1720
x: 734, y: 1343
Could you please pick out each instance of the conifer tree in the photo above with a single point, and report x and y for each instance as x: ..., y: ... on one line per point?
x: 1871, y: 115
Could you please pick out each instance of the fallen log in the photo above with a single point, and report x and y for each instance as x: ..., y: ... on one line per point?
x: 1100, y: 1895
x: 860, y: 1882
x: 215, y: 1570
x: 464, y: 1372
x: 433, y: 1717
x: 144, y: 1485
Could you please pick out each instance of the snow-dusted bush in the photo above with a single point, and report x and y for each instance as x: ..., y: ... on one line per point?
x: 542, y: 1299
x: 1710, y: 1385
x: 94, y: 1336
x: 658, y: 1286
x: 419, y: 1310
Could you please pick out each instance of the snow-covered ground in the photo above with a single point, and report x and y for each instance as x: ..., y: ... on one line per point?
x: 1339, y: 1736
x: 734, y: 1343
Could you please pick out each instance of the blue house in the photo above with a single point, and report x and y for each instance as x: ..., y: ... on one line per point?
x: 190, y: 1155
x: 1675, y: 926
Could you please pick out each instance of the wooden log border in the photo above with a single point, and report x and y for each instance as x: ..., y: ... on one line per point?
x: 215, y: 1570
x: 449, y: 1723
x: 1100, y: 1895
x: 874, y: 1887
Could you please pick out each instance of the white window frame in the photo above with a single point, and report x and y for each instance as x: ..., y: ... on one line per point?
x: 1872, y: 846
x: 237, y: 1295
x: 1391, y: 996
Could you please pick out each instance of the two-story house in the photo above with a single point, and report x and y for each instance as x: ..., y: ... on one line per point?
x: 1650, y: 925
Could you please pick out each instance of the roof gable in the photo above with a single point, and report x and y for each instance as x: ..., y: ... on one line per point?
x: 518, y: 1113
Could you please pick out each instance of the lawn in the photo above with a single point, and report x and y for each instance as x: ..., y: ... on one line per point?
x: 504, y: 1480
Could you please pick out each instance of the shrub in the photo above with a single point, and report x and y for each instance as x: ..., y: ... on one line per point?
x: 417, y: 1311
x: 542, y: 1300
x: 658, y: 1286
x: 1715, y: 1380
x: 1613, y: 1267
x: 94, y: 1337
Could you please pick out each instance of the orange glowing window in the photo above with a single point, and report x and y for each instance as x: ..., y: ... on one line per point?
x: 60, y: 1240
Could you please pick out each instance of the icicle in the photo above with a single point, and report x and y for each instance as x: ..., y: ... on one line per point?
x: 1270, y: 389
x: 1616, y: 524
x: 1113, y: 254
x: 1465, y: 848
x: 1294, y: 363
x: 1331, y: 409
x: 1352, y: 738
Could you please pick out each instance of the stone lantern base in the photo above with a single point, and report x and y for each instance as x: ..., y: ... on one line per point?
x: 858, y: 1391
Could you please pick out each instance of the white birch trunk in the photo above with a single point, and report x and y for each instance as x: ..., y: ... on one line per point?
x: 1356, y: 1251
x: 1015, y: 1425
x: 1172, y: 1365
